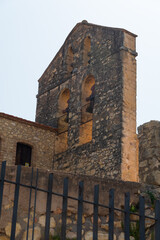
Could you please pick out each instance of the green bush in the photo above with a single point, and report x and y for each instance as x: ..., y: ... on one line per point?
x: 152, y: 198
x: 57, y: 237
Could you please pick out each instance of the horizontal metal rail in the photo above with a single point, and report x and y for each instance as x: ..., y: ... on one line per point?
x: 73, y: 198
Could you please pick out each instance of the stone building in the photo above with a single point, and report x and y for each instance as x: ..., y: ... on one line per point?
x: 85, y: 124
x: 25, y: 142
x: 99, y: 139
x: 86, y: 110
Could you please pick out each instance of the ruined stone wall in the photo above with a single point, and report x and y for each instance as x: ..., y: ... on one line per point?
x: 101, y: 153
x: 149, y: 152
x: 41, y: 139
x: 56, y: 208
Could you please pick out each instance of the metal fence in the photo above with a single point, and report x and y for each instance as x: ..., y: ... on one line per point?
x: 96, y: 205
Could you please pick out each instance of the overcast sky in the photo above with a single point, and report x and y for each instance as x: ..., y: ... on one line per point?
x: 32, y: 31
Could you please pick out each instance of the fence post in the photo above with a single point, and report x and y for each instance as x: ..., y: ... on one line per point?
x: 15, y: 208
x: 30, y: 195
x: 3, y: 171
x: 142, y: 218
x: 127, y: 215
x: 95, y: 219
x: 48, y: 206
x: 35, y: 198
x: 157, y: 216
x: 64, y: 208
x: 111, y: 213
x: 80, y: 211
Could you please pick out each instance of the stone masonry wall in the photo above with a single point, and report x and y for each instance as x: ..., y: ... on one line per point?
x: 102, y: 155
x: 56, y: 209
x: 149, y: 152
x: 41, y: 138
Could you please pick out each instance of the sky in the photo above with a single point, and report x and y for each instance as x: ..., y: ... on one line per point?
x: 32, y: 32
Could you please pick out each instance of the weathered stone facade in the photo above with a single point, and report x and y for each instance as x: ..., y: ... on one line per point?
x: 41, y: 138
x: 149, y: 152
x: 103, y: 143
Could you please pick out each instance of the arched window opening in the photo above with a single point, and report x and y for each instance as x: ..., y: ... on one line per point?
x: 87, y: 101
x: 23, y: 154
x: 88, y: 98
x: 63, y: 111
x: 86, y: 51
x: 70, y: 58
x: 61, y: 143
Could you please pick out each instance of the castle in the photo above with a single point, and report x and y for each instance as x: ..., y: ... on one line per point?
x: 86, y: 112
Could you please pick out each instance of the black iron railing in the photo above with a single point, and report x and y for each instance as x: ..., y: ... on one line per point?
x: 96, y: 205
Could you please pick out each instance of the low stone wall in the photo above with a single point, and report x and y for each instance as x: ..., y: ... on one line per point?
x: 55, y: 227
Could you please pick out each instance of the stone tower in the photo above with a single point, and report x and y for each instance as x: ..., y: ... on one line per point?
x: 149, y: 152
x: 88, y: 92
